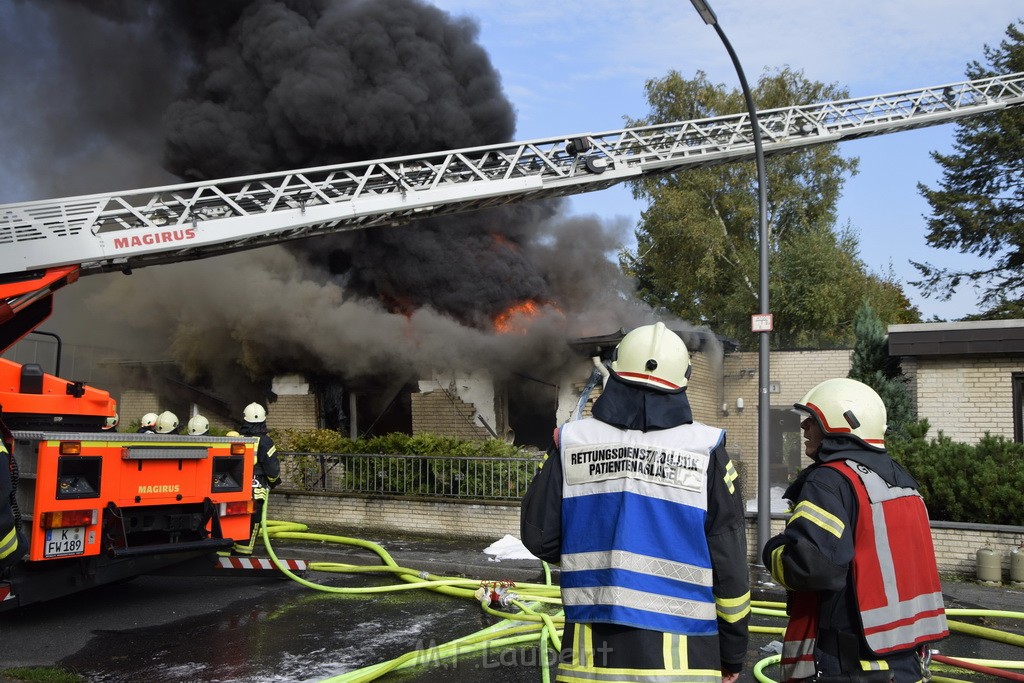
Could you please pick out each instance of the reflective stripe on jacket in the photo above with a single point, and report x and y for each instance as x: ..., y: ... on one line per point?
x: 895, y: 575
x: 12, y: 541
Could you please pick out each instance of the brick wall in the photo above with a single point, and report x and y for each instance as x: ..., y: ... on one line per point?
x: 438, y: 412
x: 956, y: 545
x: 703, y: 389
x: 965, y: 396
x: 133, y: 404
x: 296, y: 411
x: 381, y: 515
x: 793, y: 371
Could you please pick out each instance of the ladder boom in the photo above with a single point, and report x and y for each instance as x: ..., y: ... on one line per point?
x: 123, y: 230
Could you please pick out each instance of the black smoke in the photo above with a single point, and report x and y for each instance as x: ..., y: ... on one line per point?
x: 120, y: 94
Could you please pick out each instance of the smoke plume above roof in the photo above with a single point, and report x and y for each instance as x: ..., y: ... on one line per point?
x: 124, y: 93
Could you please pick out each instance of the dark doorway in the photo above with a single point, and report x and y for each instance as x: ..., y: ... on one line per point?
x: 531, y: 411
x: 786, y: 446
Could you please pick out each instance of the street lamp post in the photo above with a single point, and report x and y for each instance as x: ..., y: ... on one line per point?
x: 764, y: 404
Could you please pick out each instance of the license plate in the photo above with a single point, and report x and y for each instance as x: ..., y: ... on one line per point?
x: 62, y: 542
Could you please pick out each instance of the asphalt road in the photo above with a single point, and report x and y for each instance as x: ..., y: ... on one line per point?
x: 176, y: 629
x: 184, y: 629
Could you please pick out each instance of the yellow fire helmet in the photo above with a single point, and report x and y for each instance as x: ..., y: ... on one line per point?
x: 198, y: 425
x: 166, y: 423
x: 254, y: 412
x: 653, y: 356
x: 847, y: 408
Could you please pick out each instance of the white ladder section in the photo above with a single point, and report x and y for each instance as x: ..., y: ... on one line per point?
x: 122, y: 230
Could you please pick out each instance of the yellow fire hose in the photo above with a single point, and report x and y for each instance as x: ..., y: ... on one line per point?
x: 533, y: 625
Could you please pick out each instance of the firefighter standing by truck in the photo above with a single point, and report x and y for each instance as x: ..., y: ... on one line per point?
x: 856, y: 555
x: 13, y: 543
x: 198, y: 425
x: 147, y: 425
x: 639, y: 506
x: 266, y: 471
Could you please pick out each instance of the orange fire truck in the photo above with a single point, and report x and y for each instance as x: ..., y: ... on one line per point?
x: 98, y: 506
x: 95, y: 505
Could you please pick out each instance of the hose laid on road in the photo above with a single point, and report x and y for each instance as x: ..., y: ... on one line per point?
x: 532, y: 625
x: 987, y: 666
x: 976, y: 665
x: 539, y: 627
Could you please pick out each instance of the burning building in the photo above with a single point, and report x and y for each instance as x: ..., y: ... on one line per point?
x: 189, y: 90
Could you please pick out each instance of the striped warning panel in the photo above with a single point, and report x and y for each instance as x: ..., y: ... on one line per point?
x: 5, y: 592
x: 259, y: 563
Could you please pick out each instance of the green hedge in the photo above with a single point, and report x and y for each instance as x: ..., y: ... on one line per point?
x: 981, y: 483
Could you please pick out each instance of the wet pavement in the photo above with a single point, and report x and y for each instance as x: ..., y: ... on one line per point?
x: 274, y: 630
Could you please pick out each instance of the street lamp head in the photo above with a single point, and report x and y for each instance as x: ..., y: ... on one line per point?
x: 705, y: 11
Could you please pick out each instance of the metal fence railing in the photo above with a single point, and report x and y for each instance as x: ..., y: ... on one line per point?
x: 477, y: 478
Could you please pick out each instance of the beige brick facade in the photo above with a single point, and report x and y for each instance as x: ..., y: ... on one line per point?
x: 288, y: 412
x: 134, y: 403
x: 792, y: 373
x: 965, y: 396
x: 440, y: 412
x: 298, y: 411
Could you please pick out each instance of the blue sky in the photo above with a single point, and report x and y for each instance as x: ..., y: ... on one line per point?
x: 575, y: 66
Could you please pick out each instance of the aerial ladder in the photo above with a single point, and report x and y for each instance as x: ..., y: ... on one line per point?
x: 48, y: 424
x: 119, y: 231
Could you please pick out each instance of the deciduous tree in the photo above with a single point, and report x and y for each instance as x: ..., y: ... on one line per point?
x: 697, y: 242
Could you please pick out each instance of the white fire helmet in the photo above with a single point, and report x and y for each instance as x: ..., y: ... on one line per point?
x: 111, y: 422
x: 847, y: 408
x: 653, y: 356
x: 166, y: 423
x: 198, y: 425
x: 254, y: 413
x: 149, y: 420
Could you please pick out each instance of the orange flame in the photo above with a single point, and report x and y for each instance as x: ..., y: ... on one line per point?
x: 516, y: 319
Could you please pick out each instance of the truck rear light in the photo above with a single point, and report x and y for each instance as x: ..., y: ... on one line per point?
x: 238, y: 507
x: 68, y: 518
x: 238, y: 449
x: 70, y: 447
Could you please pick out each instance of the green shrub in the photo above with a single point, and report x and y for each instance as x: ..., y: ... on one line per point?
x: 311, y: 441
x: 983, y: 483
x: 443, y: 468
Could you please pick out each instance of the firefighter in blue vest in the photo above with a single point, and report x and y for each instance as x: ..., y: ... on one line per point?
x: 856, y: 555
x: 638, y: 505
x: 266, y: 472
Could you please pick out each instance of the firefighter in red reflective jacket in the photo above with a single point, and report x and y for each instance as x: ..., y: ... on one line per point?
x: 864, y: 592
x: 266, y: 472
